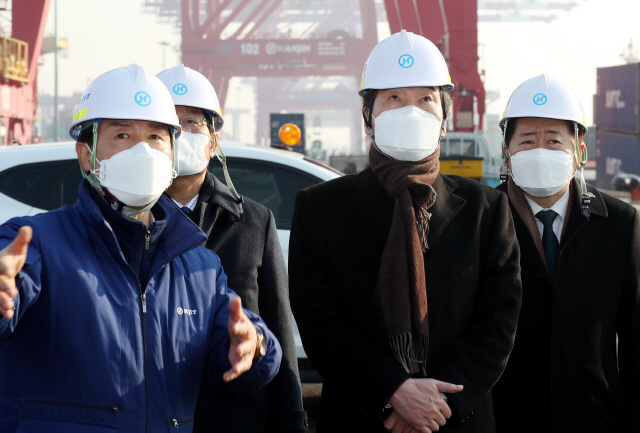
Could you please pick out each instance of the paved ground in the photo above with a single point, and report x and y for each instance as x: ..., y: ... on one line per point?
x: 311, y: 400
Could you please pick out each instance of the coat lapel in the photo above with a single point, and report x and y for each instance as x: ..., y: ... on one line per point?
x: 372, y: 201
x: 445, y: 208
x: 530, y: 249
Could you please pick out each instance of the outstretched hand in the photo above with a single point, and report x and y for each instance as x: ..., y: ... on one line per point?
x: 12, y: 260
x: 243, y: 341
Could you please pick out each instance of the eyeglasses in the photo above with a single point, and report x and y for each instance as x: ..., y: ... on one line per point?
x: 193, y: 124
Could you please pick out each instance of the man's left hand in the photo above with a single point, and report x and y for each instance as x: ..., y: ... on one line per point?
x: 243, y: 341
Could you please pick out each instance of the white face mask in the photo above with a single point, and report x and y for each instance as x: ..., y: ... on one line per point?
x: 136, y: 176
x: 191, y: 150
x: 407, y: 133
x: 541, y: 172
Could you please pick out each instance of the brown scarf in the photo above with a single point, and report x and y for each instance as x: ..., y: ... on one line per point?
x: 401, y: 293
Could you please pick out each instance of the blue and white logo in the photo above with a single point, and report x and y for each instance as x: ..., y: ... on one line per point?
x: 142, y: 98
x: 540, y: 99
x: 180, y: 89
x: 405, y: 61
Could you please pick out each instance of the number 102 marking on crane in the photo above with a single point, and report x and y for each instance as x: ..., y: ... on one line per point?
x: 250, y: 49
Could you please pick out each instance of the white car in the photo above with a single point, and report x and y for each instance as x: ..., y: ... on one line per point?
x: 40, y: 177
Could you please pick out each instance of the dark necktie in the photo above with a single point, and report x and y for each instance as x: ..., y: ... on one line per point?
x: 550, y: 243
x: 186, y: 210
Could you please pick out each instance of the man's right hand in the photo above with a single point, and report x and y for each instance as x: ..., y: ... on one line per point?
x: 12, y: 259
x: 418, y: 403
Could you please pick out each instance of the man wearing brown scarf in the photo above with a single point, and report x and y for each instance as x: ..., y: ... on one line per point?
x: 575, y: 364
x: 405, y: 282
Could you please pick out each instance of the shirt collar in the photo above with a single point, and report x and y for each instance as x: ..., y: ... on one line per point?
x: 191, y: 204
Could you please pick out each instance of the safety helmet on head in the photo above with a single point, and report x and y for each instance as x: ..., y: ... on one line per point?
x: 545, y: 96
x: 191, y: 88
x: 129, y: 92
x: 405, y: 59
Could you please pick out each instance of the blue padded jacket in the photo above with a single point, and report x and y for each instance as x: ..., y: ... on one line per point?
x: 91, y: 349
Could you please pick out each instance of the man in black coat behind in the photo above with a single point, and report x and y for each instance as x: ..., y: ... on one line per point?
x: 580, y: 275
x: 404, y: 282
x: 243, y: 234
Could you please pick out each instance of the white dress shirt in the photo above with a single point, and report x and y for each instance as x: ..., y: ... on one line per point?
x: 191, y: 205
x: 559, y: 207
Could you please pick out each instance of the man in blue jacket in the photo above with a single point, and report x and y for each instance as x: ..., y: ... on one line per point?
x: 110, y: 312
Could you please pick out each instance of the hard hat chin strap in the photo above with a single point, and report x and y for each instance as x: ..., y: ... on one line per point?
x: 237, y: 197
x: 504, y: 176
x: 368, y: 120
x: 582, y: 161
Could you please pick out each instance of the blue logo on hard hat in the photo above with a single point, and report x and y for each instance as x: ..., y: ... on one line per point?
x: 540, y: 99
x: 142, y: 98
x: 180, y: 89
x: 405, y: 61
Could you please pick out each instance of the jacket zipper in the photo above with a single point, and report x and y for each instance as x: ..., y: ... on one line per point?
x: 176, y: 422
x: 115, y: 409
x: 143, y: 300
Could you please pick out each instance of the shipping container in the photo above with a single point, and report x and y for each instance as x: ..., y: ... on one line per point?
x: 616, y: 153
x: 617, y: 99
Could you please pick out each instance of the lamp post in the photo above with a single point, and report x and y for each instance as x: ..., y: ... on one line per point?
x: 164, y: 44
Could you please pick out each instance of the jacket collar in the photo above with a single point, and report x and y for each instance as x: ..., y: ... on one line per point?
x: 376, y: 205
x: 180, y: 235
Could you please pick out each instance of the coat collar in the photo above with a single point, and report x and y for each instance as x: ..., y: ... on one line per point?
x: 577, y: 220
x: 215, y: 193
x: 375, y: 204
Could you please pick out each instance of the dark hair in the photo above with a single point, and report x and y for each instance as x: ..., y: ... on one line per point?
x: 511, y: 129
x: 369, y: 95
x: 86, y: 136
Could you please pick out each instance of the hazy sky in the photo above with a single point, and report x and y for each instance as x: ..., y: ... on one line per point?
x: 107, y: 34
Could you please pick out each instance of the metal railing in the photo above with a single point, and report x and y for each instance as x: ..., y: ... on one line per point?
x: 14, y: 59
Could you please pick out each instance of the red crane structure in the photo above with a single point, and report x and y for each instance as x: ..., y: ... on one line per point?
x: 225, y: 38
x: 19, y: 55
x: 453, y: 28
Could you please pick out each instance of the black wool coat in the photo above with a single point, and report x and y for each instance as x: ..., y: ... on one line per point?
x: 252, y: 259
x: 472, y: 270
x: 563, y: 374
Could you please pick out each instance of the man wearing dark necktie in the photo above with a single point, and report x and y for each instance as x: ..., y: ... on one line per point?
x: 575, y: 365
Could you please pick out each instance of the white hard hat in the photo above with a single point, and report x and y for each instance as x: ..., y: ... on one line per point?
x: 191, y: 88
x: 405, y: 60
x: 547, y: 97
x: 129, y: 92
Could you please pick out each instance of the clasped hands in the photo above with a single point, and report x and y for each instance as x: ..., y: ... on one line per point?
x: 418, y: 406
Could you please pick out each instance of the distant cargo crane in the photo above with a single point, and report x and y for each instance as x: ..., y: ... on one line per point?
x: 320, y: 38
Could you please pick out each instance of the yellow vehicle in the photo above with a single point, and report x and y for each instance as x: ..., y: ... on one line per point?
x: 467, y: 154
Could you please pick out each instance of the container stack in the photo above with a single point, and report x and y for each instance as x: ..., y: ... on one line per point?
x: 617, y: 123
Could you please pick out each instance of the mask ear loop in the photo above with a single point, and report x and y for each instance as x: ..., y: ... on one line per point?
x: 504, y: 176
x: 582, y: 161
x: 237, y: 197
